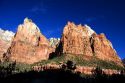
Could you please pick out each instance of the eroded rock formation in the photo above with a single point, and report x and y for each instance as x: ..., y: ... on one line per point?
x: 28, y: 45
x: 82, y: 40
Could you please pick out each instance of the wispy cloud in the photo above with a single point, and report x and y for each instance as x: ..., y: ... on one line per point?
x: 92, y: 19
x: 39, y: 8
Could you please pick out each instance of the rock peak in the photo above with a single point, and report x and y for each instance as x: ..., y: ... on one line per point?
x: 30, y: 25
x: 28, y: 45
x: 28, y: 29
x: 26, y: 20
x: 79, y: 29
x: 69, y: 23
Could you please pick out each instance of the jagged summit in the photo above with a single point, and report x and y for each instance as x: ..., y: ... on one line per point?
x: 26, y: 20
x: 28, y: 32
x: 83, y: 30
x: 29, y: 25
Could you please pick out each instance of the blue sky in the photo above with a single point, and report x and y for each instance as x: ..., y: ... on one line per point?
x: 107, y: 16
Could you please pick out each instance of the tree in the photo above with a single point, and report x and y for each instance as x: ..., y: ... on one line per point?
x: 98, y: 71
x: 71, y: 65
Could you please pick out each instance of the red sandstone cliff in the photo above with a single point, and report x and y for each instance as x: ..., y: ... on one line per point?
x: 28, y: 45
x: 82, y: 40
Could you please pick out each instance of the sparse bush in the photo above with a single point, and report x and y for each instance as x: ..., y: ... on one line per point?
x: 81, y: 60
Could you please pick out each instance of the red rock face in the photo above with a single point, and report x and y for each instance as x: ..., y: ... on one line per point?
x: 103, y: 49
x: 3, y: 48
x: 28, y: 45
x: 78, y: 39
x: 75, y: 40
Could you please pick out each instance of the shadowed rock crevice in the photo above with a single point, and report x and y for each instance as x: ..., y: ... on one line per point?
x: 58, y: 51
x: 92, y: 44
